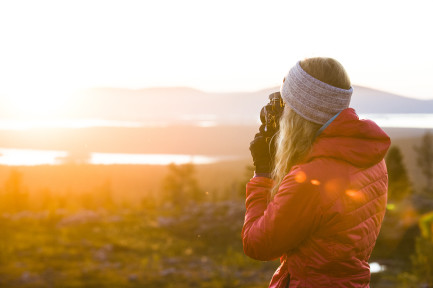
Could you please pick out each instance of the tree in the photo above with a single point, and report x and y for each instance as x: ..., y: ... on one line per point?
x: 249, y: 173
x: 422, y: 258
x: 103, y: 194
x: 425, y: 160
x: 99, y: 197
x: 15, y: 195
x: 399, y: 185
x: 180, y: 185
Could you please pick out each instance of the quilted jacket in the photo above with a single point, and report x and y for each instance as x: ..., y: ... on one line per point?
x: 325, y: 218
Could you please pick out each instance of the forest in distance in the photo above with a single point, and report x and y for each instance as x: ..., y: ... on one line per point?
x: 81, y: 225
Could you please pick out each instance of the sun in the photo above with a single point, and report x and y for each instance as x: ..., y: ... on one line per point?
x: 39, y: 103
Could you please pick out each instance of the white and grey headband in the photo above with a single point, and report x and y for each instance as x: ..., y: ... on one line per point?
x: 311, y: 98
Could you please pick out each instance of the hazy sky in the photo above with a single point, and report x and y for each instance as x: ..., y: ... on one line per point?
x: 49, y: 48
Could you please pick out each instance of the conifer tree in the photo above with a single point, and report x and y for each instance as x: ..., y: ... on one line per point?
x: 180, y: 185
x: 425, y: 160
x: 15, y: 196
x: 249, y: 173
x: 399, y: 185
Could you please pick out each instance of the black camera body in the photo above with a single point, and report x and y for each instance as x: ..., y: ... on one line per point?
x: 270, y: 116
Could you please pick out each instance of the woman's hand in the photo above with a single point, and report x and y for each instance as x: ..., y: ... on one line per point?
x: 261, y: 155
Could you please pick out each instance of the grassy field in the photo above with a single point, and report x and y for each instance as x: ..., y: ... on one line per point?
x: 82, y: 225
x: 109, y: 226
x: 126, y: 182
x: 154, y: 245
x: 162, y: 247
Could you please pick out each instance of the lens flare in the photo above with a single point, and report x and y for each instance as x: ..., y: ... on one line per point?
x: 315, y: 182
x: 300, y: 177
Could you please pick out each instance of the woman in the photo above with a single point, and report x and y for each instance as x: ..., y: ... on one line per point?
x: 321, y: 208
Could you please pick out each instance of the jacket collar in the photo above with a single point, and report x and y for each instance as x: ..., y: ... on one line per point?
x: 361, y: 142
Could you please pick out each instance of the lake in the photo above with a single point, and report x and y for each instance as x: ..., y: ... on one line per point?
x: 31, y: 157
x: 417, y: 120
x: 401, y: 120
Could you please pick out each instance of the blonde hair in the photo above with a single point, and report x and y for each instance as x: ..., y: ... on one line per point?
x: 327, y: 70
x: 296, y: 134
x: 294, y: 141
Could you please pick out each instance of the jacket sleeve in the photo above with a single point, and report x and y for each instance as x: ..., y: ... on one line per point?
x: 270, y: 230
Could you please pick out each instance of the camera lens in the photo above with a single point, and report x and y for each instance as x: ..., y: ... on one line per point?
x: 263, y: 115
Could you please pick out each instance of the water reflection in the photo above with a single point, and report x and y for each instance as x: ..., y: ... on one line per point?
x: 415, y: 120
x: 151, y: 159
x: 376, y: 267
x: 30, y: 157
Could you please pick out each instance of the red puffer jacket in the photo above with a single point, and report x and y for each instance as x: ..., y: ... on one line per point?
x: 325, y: 218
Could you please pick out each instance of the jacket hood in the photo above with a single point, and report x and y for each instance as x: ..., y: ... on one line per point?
x: 360, y: 142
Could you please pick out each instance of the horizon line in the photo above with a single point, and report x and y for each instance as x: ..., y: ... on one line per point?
x: 234, y: 91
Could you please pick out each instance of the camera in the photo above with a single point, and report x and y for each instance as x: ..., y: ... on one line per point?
x: 270, y: 116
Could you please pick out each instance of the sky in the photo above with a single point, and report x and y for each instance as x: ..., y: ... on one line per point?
x: 49, y: 49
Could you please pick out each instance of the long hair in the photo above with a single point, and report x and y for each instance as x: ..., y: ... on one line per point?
x: 296, y: 135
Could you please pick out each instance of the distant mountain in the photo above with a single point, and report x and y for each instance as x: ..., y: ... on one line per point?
x: 182, y: 105
x: 367, y: 100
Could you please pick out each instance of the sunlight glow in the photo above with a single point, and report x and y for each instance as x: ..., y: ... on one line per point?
x: 159, y: 43
x: 30, y: 101
x: 151, y: 159
x: 7, y: 124
x: 29, y: 157
x: 300, y: 177
x: 315, y: 182
x: 355, y: 195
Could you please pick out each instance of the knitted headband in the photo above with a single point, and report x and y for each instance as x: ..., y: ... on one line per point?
x: 311, y: 98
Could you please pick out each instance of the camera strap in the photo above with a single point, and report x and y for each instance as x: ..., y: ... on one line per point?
x: 326, y: 125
